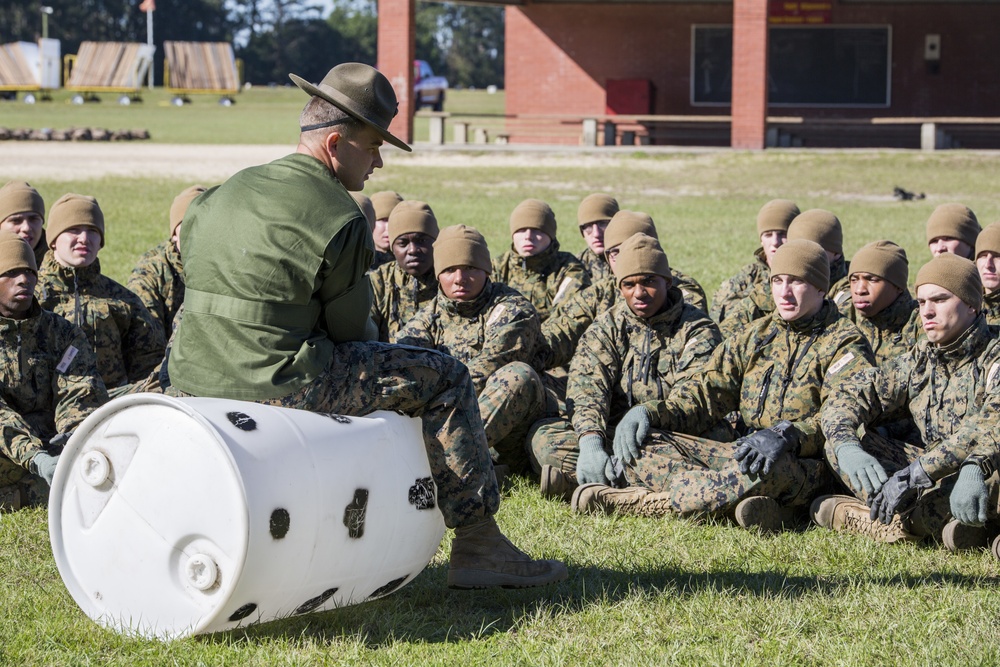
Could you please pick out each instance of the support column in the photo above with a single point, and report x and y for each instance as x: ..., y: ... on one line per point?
x: 749, y: 103
x: 396, y: 45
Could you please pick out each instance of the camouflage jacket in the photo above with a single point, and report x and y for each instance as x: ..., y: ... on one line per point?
x: 122, y: 333
x: 733, y: 290
x: 496, y: 328
x: 773, y: 370
x: 158, y: 281
x: 48, y: 383
x: 991, y: 307
x: 397, y: 296
x: 892, y: 332
x: 950, y: 392
x: 382, y: 257
x: 624, y: 360
x: 568, y: 321
x: 596, y: 266
x: 546, y: 279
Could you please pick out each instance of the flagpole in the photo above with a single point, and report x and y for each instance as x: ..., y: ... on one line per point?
x: 149, y: 41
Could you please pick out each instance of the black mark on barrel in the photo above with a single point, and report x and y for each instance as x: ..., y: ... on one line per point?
x: 354, y: 514
x: 340, y: 419
x: 313, y: 603
x: 388, y: 588
x: 421, y: 494
x: 243, y: 611
x: 241, y: 421
x: 280, y: 521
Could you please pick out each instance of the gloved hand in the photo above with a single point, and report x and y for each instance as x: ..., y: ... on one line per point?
x: 863, y: 469
x: 591, y: 464
x: 631, y: 431
x: 899, y: 492
x: 970, y: 496
x: 758, y: 452
x: 44, y: 465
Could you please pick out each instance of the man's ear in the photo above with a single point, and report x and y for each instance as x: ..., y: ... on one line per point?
x: 331, y: 142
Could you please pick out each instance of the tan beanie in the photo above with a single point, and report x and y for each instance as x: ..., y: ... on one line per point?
x: 365, y: 204
x: 19, y: 197
x: 955, y: 221
x: 776, y: 215
x: 884, y: 259
x: 180, y: 205
x: 625, y: 224
x: 641, y: 254
x: 412, y: 216
x: 72, y: 210
x: 597, y: 207
x: 15, y: 253
x: 534, y: 214
x: 957, y: 275
x: 459, y: 245
x: 819, y: 226
x: 989, y: 240
x: 384, y: 202
x: 803, y: 259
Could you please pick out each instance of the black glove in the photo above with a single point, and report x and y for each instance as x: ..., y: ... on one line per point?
x: 899, y: 492
x: 758, y: 452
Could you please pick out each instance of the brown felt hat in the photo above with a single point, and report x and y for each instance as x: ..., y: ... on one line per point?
x: 641, y: 254
x: 180, y: 205
x: 819, y: 226
x: 412, y: 216
x: 956, y: 274
x: 15, y: 253
x: 365, y: 204
x: 597, y: 207
x: 72, y: 210
x: 954, y: 221
x: 803, y: 259
x: 989, y: 239
x: 884, y: 259
x: 384, y: 202
x: 776, y: 215
x: 534, y: 214
x: 20, y: 197
x: 360, y: 91
x: 459, y: 245
x: 627, y: 223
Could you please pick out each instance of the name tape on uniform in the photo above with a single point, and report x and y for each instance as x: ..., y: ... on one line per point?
x: 840, y: 363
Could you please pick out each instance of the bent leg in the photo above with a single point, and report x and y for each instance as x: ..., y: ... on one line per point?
x: 512, y: 399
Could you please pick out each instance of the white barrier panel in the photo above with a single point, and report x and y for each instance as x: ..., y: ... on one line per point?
x: 172, y: 517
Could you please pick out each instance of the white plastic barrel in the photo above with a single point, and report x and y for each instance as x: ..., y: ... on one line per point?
x: 172, y: 517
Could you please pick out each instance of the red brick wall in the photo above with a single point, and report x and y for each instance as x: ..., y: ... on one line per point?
x: 395, y: 59
x: 749, y: 102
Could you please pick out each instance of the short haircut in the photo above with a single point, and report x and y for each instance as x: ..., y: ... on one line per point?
x: 318, y: 111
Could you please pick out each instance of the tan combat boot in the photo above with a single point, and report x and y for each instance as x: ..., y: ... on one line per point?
x: 10, y: 498
x: 764, y: 513
x: 957, y: 536
x: 482, y: 557
x: 592, y: 498
x: 848, y: 514
x: 556, y: 484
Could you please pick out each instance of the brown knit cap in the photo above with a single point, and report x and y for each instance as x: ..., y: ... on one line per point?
x: 627, y: 223
x: 597, y: 207
x: 412, y: 216
x: 819, y: 226
x: 20, y: 197
x: 72, y: 210
x: 989, y: 239
x: 884, y: 259
x: 955, y: 221
x: 957, y: 275
x: 365, y: 204
x: 533, y: 214
x: 776, y: 215
x: 15, y: 253
x: 384, y: 202
x: 459, y: 245
x: 641, y: 254
x: 180, y: 205
x: 803, y: 259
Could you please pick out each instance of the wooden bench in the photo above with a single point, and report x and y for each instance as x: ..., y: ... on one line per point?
x: 927, y: 133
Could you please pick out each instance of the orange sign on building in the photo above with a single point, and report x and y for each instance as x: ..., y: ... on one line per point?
x: 799, y: 12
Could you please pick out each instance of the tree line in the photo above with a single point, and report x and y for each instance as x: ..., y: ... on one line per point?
x: 465, y: 43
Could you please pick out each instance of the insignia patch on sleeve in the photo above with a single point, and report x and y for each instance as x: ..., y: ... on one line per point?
x: 840, y: 363
x: 68, y: 356
x: 496, y: 314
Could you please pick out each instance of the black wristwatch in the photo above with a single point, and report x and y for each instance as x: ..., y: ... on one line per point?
x: 984, y: 463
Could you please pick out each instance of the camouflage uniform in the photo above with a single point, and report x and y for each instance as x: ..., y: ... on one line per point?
x: 893, y: 331
x: 991, y: 307
x: 37, y: 399
x: 158, y: 281
x: 596, y: 266
x: 495, y: 335
x: 127, y: 341
x: 545, y: 279
x: 623, y: 360
x: 397, y: 296
x: 382, y: 257
x: 733, y: 290
x: 773, y: 371
x: 951, y: 393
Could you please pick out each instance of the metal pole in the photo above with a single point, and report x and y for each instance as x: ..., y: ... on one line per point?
x: 45, y: 20
x: 149, y: 41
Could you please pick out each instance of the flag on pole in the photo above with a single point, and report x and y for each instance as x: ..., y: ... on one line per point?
x: 147, y: 6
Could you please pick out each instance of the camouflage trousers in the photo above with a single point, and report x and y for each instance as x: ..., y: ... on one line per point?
x: 512, y: 399
x: 932, y: 510
x: 365, y: 377
x: 28, y: 491
x: 552, y: 441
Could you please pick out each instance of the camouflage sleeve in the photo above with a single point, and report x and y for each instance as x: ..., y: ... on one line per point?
x: 594, y: 372
x: 78, y: 390
x: 143, y: 343
x: 729, y: 293
x: 19, y: 443
x: 377, y: 279
x: 512, y: 333
x: 145, y: 283
x: 741, y: 314
x: 566, y: 324
x: 694, y: 293
x: 420, y: 330
x: 572, y: 278
x: 702, y: 337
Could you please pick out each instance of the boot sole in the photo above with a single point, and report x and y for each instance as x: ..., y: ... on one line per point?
x: 468, y: 579
x: 575, y: 500
x: 958, y: 537
x: 762, y: 513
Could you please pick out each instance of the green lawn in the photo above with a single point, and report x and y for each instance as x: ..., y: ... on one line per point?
x: 640, y: 591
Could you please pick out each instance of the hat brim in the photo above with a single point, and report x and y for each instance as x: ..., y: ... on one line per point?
x: 344, y: 104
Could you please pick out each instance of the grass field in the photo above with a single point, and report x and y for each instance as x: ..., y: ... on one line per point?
x: 640, y: 591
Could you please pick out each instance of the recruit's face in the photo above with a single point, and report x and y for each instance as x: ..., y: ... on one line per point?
x: 380, y: 235
x: 77, y: 247
x: 27, y: 225
x: 943, y: 244
x: 462, y: 283
x: 593, y: 234
x: 943, y: 314
x: 414, y: 253
x: 770, y: 241
x: 795, y: 298
x: 645, y: 294
x: 355, y: 156
x: 17, y: 290
x: 988, y: 264
x: 872, y: 294
x: 175, y: 238
x: 529, y: 241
